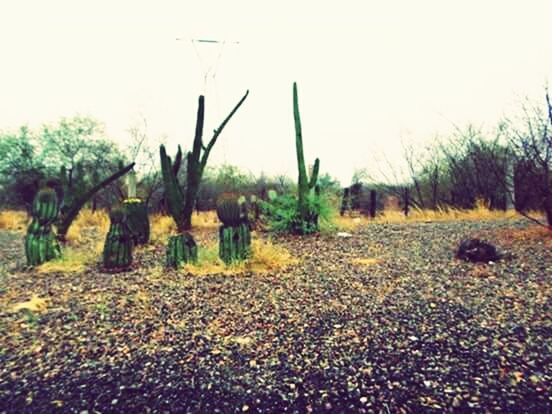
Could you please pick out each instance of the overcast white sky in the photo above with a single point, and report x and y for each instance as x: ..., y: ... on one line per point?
x: 370, y: 73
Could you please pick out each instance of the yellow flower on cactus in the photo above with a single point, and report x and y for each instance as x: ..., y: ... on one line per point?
x: 132, y: 200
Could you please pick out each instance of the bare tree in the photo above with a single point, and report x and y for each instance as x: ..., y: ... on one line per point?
x: 144, y: 154
x: 531, y: 141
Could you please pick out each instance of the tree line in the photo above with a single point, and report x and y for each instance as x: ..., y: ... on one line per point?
x: 507, y: 167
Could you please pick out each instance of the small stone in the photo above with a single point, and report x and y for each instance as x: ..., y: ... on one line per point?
x: 245, y: 408
x: 363, y: 400
x: 344, y: 234
x: 456, y: 402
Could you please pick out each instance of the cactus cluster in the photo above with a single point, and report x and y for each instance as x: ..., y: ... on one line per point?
x: 40, y: 242
x: 117, y: 253
x: 231, y: 209
x: 234, y: 234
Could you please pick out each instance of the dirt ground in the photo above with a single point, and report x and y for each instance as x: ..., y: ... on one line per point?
x: 383, y: 321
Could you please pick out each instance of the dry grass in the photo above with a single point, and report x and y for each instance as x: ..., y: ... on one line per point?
x: 205, y: 220
x: 480, y: 212
x: 13, y: 220
x: 161, y: 227
x: 35, y: 304
x: 348, y: 223
x: 265, y: 257
x: 73, y: 260
x: 531, y: 234
x: 87, y: 223
x: 365, y: 261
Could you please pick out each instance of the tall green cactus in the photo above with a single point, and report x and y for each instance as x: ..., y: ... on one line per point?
x: 307, y: 220
x: 40, y: 242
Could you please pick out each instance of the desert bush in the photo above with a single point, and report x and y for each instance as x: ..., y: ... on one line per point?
x: 282, y: 213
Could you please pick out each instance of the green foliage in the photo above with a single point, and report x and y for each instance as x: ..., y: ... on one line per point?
x: 77, y: 140
x: 283, y: 214
x: 20, y: 171
x: 72, y: 151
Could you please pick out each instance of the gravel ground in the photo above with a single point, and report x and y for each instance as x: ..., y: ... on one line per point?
x: 385, y: 321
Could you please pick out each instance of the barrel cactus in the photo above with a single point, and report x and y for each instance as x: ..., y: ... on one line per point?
x: 117, y: 253
x: 181, y: 249
x: 234, y: 234
x: 231, y: 209
x: 40, y: 242
x: 136, y: 212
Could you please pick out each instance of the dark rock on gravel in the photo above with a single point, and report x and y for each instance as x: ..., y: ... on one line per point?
x: 475, y: 250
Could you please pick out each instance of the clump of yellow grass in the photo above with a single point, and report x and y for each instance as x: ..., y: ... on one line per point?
x: 205, y: 220
x: 88, y: 222
x: 13, y: 220
x: 73, y: 260
x: 161, y: 227
x: 265, y: 257
x: 85, y: 240
x: 481, y: 211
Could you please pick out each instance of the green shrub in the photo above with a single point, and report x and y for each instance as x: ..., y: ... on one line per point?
x: 283, y: 216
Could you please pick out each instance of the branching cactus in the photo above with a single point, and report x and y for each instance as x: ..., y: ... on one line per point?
x: 40, y: 242
x: 76, y: 195
x: 307, y: 219
x: 181, y: 205
x: 117, y: 253
x: 182, y: 247
x: 234, y: 234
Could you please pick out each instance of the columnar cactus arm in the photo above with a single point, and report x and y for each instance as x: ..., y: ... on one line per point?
x: 303, y: 180
x: 314, y: 175
x: 177, y: 162
x: 198, y: 138
x: 217, y: 131
x: 304, y: 184
x: 173, y: 193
